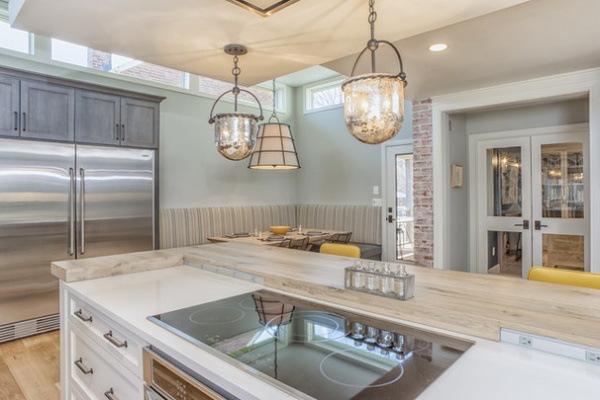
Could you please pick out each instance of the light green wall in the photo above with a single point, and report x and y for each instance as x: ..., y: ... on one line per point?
x: 337, y: 168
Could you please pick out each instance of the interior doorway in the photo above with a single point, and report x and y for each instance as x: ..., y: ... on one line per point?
x: 533, y: 203
x: 399, y: 218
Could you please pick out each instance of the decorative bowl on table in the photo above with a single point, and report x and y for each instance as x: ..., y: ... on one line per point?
x: 279, y: 229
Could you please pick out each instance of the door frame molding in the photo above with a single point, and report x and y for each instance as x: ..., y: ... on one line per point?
x: 473, y: 141
x: 585, y: 82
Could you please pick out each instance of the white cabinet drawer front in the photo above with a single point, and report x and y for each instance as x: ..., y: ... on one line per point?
x: 76, y: 394
x: 94, y: 373
x: 117, y: 341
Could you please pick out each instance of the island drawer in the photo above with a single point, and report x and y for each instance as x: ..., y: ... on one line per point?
x: 117, y: 341
x: 94, y: 375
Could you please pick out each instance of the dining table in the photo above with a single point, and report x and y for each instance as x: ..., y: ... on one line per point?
x: 267, y: 238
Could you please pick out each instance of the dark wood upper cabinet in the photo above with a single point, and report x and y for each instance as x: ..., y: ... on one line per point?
x: 9, y: 106
x: 97, y: 117
x: 139, y: 123
x: 41, y: 107
x: 47, y: 111
x: 108, y: 119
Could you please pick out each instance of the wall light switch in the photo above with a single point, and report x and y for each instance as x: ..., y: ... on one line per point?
x: 376, y: 190
x: 376, y: 202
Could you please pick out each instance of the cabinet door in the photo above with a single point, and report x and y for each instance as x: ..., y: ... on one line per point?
x: 47, y: 111
x: 9, y: 106
x: 97, y: 118
x: 139, y: 123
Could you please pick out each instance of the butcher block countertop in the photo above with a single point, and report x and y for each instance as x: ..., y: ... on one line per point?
x: 476, y: 305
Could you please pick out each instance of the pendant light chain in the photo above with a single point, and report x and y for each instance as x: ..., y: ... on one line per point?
x: 274, y: 100
x: 372, y: 17
x: 236, y: 90
x: 373, y: 44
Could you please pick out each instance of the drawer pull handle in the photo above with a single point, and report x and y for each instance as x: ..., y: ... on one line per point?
x: 79, y: 314
x: 82, y: 367
x: 110, y: 394
x: 109, y: 336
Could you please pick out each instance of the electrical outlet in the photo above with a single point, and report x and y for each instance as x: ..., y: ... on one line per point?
x: 525, y: 341
x: 592, y: 357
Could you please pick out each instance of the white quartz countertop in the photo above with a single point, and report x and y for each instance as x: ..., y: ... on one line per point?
x: 489, y: 370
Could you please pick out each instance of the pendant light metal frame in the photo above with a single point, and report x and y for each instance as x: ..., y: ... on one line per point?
x: 283, y: 157
x: 372, y: 46
x: 236, y: 50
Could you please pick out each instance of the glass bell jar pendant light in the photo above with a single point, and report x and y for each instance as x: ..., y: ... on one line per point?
x: 235, y: 133
x: 274, y: 149
x: 374, y: 103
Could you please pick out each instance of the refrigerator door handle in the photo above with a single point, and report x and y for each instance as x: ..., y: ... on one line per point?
x: 82, y: 205
x: 71, y: 222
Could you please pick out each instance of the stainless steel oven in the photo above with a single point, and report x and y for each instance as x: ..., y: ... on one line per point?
x: 167, y: 380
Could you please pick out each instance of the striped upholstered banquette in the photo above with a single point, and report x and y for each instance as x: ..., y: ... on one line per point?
x: 191, y: 226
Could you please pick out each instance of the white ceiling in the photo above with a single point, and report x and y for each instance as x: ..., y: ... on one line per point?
x: 490, y: 42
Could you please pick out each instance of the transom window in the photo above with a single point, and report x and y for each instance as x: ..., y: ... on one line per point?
x: 13, y: 39
x: 324, y: 95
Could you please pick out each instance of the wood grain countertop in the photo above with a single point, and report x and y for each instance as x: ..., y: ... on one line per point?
x: 472, y: 304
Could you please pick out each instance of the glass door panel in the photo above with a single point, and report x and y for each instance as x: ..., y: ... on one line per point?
x: 399, y: 225
x: 404, y: 207
x: 504, y: 182
x: 505, y: 251
x: 563, y: 251
x: 562, y: 180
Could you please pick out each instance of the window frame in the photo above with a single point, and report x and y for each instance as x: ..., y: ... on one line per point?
x: 323, y: 85
x: 4, y: 18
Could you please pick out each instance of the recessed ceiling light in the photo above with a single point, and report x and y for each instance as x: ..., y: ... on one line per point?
x: 438, y: 47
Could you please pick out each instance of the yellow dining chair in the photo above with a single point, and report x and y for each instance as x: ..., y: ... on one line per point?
x: 338, y: 249
x: 565, y: 277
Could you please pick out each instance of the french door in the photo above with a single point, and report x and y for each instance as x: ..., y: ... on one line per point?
x: 533, y: 203
x: 398, y: 208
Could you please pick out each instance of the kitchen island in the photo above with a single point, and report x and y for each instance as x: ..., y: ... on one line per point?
x: 127, y: 289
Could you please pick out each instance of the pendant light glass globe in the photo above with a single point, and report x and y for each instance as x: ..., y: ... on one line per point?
x: 235, y: 133
x: 374, y: 106
x: 374, y: 102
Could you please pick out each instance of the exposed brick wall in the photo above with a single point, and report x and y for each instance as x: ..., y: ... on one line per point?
x: 423, y: 182
x: 216, y: 88
x: 155, y: 73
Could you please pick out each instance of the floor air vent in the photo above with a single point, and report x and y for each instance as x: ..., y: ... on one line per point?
x: 29, y: 327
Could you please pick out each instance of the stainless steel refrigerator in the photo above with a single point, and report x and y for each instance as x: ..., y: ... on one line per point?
x: 62, y: 201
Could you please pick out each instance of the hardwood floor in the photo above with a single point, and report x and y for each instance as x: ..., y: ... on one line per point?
x: 30, y: 368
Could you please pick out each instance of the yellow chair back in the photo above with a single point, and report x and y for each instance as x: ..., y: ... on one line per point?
x: 338, y: 249
x: 565, y: 277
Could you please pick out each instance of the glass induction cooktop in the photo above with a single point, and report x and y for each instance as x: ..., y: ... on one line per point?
x: 321, y: 351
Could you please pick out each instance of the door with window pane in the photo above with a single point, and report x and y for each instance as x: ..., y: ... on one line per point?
x: 399, y: 203
x: 532, y: 201
x: 504, y: 203
x: 559, y: 197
